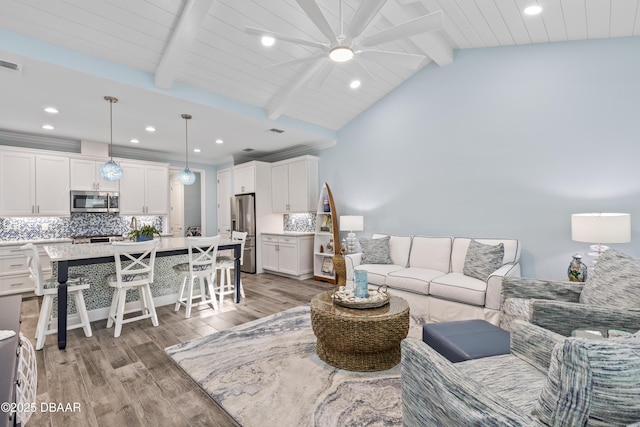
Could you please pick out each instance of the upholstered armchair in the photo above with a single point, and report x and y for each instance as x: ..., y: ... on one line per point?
x: 610, y: 296
x: 547, y: 379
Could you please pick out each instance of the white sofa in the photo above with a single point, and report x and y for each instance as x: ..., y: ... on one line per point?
x: 428, y: 273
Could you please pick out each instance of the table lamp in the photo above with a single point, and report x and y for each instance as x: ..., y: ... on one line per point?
x: 599, y: 228
x: 351, y: 223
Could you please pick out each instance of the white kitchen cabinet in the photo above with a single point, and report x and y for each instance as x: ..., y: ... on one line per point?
x: 14, y: 272
x: 85, y: 176
x: 224, y: 202
x: 144, y: 189
x: 34, y: 184
x: 294, y: 184
x: 288, y: 255
x: 244, y: 178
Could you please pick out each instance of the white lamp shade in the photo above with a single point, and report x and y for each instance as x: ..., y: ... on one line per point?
x: 601, y: 227
x: 351, y: 223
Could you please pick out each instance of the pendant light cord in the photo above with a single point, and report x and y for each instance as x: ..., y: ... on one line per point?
x: 186, y: 118
x: 111, y: 100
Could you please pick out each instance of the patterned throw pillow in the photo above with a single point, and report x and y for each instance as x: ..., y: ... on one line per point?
x: 376, y: 251
x: 594, y: 382
x: 482, y: 260
x: 614, y: 281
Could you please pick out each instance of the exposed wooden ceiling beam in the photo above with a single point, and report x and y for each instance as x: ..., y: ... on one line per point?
x: 184, y: 34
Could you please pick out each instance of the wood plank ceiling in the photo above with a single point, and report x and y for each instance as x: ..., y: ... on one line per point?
x: 211, y: 51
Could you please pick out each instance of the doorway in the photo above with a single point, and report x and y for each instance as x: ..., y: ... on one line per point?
x: 187, y: 210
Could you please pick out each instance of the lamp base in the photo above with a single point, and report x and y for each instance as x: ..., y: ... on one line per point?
x: 597, y: 251
x: 351, y: 242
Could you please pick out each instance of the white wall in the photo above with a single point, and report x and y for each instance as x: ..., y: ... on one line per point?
x: 504, y: 142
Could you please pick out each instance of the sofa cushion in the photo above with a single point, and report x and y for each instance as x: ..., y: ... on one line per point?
x: 482, y: 260
x: 461, y: 244
x: 614, y: 281
x: 431, y: 252
x: 399, y: 248
x: 377, y: 273
x: 376, y: 251
x: 458, y: 287
x: 593, y: 382
x: 413, y: 279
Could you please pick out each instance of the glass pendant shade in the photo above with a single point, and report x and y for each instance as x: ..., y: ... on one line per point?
x: 111, y: 171
x: 186, y: 177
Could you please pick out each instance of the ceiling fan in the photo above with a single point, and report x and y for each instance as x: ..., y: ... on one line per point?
x: 350, y: 44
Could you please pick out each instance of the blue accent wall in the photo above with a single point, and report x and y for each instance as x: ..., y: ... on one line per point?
x: 503, y: 142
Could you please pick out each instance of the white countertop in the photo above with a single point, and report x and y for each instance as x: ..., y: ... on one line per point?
x: 291, y: 233
x: 34, y: 241
x: 97, y: 250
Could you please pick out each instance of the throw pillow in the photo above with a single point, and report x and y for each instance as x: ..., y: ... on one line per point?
x: 614, y: 281
x: 376, y: 251
x: 592, y: 382
x: 482, y: 260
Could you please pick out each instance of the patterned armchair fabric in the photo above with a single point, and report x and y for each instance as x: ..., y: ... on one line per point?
x: 589, y: 382
x: 611, y: 294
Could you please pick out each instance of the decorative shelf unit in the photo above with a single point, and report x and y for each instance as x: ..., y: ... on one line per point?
x: 326, y: 241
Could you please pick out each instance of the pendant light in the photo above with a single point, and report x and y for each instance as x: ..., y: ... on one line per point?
x: 186, y: 176
x: 111, y: 171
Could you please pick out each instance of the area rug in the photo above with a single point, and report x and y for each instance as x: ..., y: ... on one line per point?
x: 266, y: 373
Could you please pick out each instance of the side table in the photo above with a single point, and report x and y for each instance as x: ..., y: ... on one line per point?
x: 362, y: 340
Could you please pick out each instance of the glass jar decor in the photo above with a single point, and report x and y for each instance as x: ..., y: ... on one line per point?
x: 361, y: 284
x: 577, y: 269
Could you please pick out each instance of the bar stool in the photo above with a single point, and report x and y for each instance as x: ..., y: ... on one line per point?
x: 227, y: 263
x: 137, y: 274
x: 201, y: 266
x: 48, y: 289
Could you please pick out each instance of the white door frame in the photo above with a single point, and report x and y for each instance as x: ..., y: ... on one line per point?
x: 203, y: 192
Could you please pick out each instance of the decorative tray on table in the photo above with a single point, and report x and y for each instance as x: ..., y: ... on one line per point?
x: 345, y: 297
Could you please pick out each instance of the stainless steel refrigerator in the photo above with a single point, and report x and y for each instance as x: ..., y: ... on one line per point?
x: 243, y: 218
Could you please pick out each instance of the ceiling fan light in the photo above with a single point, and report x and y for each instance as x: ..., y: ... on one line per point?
x: 341, y: 54
x: 267, y: 41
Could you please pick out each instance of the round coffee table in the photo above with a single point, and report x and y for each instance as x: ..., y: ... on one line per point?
x: 359, y: 339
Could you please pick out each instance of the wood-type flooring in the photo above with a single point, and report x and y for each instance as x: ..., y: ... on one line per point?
x: 129, y: 380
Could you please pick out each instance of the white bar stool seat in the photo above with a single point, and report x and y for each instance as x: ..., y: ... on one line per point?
x: 48, y: 289
x: 201, y: 266
x: 136, y: 274
x: 227, y: 263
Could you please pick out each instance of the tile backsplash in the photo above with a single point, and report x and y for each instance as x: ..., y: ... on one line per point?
x: 302, y: 222
x: 83, y: 224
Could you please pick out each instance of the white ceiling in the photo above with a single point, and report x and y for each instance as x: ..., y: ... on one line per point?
x: 162, y: 58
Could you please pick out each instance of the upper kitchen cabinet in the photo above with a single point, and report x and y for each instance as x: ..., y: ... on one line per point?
x: 85, y: 176
x: 246, y: 174
x: 144, y: 188
x: 33, y: 184
x: 294, y: 185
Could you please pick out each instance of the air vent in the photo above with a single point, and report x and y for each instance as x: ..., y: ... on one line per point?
x: 274, y: 130
x: 248, y: 150
x: 10, y: 66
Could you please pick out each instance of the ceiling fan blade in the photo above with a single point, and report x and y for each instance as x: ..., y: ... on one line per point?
x: 423, y: 24
x: 409, y: 60
x: 304, y: 60
x: 284, y: 37
x: 323, y: 73
x: 314, y: 13
x: 363, y: 17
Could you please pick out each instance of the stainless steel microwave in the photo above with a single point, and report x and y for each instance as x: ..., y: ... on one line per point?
x: 95, y: 201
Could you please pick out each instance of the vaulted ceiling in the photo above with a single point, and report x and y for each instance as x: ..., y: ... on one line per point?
x: 163, y: 58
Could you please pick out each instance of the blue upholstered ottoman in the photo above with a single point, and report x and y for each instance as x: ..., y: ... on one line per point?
x: 466, y: 339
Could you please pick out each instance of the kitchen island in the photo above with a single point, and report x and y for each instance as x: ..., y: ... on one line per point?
x: 97, y: 262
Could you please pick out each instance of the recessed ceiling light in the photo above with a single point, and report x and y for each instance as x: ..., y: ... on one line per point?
x: 150, y: 129
x: 135, y: 141
x: 532, y: 10
x: 196, y: 150
x: 267, y: 41
x: 219, y: 141
x: 355, y: 84
x: 48, y: 127
x: 51, y: 110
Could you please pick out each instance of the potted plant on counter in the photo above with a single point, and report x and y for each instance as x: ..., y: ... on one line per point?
x: 146, y: 232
